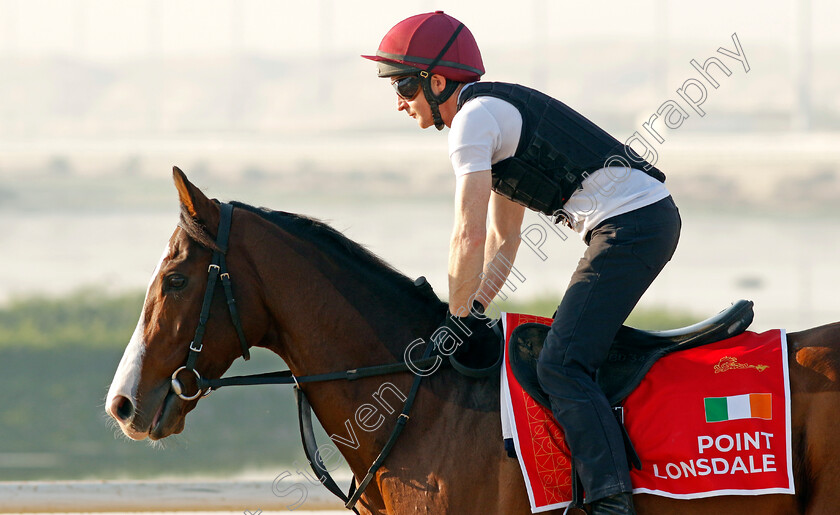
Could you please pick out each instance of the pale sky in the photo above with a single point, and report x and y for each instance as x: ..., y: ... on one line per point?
x: 118, y: 29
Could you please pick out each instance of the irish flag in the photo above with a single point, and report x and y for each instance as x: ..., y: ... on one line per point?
x: 736, y: 407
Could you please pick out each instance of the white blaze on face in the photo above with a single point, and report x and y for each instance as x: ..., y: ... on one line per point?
x: 128, y: 372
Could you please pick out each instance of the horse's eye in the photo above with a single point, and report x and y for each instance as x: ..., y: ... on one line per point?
x: 175, y: 282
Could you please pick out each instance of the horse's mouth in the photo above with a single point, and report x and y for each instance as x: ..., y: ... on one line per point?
x: 166, y: 420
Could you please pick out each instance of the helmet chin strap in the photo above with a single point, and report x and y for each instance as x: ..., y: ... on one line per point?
x: 435, y: 100
x: 426, y: 81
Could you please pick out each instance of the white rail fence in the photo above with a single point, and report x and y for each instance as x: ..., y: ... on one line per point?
x: 161, y: 495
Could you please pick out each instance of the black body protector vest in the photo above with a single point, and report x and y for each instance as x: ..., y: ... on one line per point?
x: 556, y: 152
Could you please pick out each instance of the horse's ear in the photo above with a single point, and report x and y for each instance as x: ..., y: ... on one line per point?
x: 193, y: 201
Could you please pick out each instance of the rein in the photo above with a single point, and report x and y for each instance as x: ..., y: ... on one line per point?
x: 218, y: 269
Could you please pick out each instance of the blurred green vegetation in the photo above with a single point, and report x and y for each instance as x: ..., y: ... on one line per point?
x: 58, y: 356
x: 87, y: 318
x: 653, y: 319
x: 53, y: 423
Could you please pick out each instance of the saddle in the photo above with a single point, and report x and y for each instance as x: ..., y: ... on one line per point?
x: 632, y: 354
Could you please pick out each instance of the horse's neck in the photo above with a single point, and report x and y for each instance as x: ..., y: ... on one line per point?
x: 328, y: 320
x: 333, y: 306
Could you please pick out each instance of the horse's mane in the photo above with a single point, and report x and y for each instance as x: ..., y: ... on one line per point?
x: 315, y: 231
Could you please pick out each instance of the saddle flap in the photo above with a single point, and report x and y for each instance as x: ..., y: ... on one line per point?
x: 632, y: 353
x: 524, y: 348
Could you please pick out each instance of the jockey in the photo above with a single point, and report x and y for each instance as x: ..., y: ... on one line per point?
x: 513, y: 148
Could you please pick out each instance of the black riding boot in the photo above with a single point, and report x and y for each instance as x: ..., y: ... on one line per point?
x: 618, y: 504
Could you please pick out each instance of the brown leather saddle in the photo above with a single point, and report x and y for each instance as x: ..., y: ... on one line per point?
x: 632, y: 353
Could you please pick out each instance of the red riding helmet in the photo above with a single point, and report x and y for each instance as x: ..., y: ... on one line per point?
x: 414, y: 43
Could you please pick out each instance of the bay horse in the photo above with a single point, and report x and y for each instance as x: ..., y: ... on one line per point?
x: 323, y: 303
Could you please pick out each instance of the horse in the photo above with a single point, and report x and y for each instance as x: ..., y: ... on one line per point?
x: 323, y: 303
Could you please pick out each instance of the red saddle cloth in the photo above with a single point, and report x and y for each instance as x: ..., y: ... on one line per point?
x: 713, y: 420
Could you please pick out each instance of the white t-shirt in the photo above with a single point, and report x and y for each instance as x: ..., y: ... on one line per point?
x: 487, y: 130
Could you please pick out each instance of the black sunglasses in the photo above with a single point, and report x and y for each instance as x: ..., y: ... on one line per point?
x: 407, y: 87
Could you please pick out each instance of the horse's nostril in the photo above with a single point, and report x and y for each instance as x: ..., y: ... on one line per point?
x: 121, y: 408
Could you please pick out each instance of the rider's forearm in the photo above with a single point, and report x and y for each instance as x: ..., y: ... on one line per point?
x: 466, y: 248
x: 466, y: 259
x: 499, y: 251
x: 503, y: 237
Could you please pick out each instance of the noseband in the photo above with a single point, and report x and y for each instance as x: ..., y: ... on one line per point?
x: 217, y: 270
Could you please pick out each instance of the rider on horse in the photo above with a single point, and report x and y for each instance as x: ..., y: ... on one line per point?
x: 513, y: 147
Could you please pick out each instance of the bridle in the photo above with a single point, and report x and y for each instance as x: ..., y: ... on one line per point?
x: 218, y: 270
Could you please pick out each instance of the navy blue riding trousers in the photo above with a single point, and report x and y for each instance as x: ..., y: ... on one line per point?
x: 624, y: 255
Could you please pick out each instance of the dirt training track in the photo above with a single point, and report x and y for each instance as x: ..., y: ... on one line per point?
x: 148, y: 496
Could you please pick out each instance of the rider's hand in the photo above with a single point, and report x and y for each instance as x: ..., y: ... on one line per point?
x: 456, y: 333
